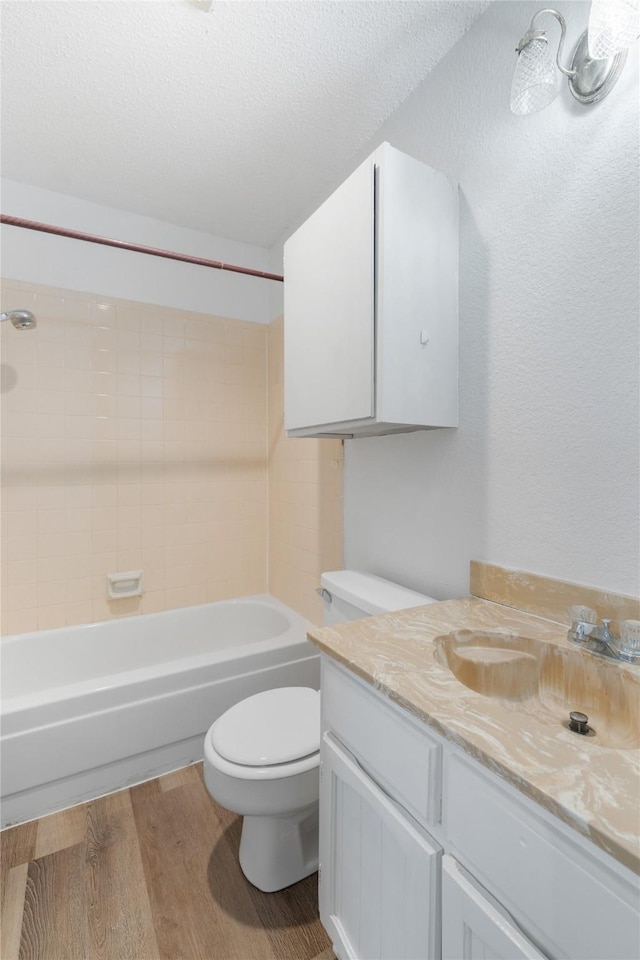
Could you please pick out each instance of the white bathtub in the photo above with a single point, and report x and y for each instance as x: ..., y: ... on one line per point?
x: 90, y: 709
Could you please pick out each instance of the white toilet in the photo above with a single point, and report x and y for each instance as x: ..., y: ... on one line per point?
x: 261, y: 757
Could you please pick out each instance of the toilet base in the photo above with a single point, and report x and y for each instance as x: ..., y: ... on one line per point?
x: 278, y: 851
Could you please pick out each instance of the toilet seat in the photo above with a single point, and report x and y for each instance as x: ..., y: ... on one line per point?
x: 269, y: 736
x: 271, y: 728
x: 276, y: 771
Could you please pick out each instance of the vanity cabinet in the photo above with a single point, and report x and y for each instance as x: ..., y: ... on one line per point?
x: 380, y: 873
x: 425, y: 853
x: 371, y: 305
x: 570, y: 897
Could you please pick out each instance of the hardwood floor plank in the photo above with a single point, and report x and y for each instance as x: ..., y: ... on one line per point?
x: 54, y: 924
x: 16, y: 847
x: 89, y: 900
x: 120, y: 923
x: 183, y: 848
x: 61, y: 830
x: 179, y: 778
x: 290, y: 918
x: 12, y: 910
x: 152, y: 786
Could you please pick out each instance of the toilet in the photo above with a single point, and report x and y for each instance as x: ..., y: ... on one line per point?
x: 262, y: 756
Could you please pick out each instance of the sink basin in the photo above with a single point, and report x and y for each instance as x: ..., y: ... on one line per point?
x: 549, y: 680
x: 496, y: 664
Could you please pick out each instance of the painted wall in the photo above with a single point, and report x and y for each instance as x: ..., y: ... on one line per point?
x: 305, y: 500
x: 542, y: 474
x: 75, y: 265
x: 133, y: 437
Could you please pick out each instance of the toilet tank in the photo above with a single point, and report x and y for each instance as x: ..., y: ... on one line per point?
x: 352, y: 595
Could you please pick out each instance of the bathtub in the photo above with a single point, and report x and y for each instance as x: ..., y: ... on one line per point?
x: 91, y: 709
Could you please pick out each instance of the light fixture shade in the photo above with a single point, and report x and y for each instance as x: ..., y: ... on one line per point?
x: 613, y: 26
x: 535, y: 79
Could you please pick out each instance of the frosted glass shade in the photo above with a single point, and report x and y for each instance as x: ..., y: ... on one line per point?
x: 613, y: 26
x: 535, y: 79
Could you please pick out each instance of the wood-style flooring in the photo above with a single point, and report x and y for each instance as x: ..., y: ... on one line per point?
x: 149, y: 872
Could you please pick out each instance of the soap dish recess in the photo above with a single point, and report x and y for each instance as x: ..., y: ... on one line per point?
x: 126, y: 584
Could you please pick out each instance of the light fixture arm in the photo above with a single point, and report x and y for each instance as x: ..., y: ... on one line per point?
x: 533, y: 34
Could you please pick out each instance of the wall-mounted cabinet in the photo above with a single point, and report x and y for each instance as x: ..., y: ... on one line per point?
x: 371, y: 305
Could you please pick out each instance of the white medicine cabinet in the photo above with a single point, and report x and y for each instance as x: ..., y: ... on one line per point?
x: 371, y: 305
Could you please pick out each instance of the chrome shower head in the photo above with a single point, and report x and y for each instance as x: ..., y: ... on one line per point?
x: 21, y: 319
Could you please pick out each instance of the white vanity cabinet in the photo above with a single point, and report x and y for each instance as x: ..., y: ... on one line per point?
x: 380, y: 873
x: 426, y: 854
x: 379, y: 864
x: 371, y: 305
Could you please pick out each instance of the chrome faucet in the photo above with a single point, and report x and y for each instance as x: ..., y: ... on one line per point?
x: 601, y: 639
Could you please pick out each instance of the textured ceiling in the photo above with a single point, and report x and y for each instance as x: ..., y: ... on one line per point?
x: 231, y: 121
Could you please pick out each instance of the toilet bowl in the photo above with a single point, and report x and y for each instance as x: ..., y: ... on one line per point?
x: 262, y: 757
x: 261, y: 760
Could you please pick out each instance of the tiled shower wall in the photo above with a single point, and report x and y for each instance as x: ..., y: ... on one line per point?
x: 133, y: 437
x: 305, y: 501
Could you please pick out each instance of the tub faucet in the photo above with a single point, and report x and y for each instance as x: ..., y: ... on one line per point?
x: 585, y: 631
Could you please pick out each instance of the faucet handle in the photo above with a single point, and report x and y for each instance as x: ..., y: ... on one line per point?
x: 583, y: 622
x: 630, y: 637
x: 582, y: 614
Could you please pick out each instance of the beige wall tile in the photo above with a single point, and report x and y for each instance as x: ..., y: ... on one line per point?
x: 305, y: 500
x: 140, y: 437
x: 21, y: 621
x: 119, y: 421
x: 50, y: 617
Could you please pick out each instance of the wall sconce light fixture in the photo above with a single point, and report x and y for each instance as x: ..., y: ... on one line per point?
x: 597, y: 61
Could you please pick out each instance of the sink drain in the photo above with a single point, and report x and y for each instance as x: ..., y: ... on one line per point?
x: 579, y: 723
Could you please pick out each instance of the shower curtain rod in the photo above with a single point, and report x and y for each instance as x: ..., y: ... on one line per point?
x: 134, y: 247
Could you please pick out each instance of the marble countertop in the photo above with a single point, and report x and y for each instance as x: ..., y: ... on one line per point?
x: 592, y: 787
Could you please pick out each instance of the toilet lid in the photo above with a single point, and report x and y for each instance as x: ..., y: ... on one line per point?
x: 273, y: 727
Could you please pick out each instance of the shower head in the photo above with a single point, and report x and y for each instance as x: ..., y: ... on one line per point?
x: 21, y: 319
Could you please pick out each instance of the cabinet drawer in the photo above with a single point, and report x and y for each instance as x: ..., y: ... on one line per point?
x: 396, y: 751
x: 572, y: 903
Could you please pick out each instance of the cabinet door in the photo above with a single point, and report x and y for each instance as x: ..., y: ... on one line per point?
x: 379, y: 872
x: 329, y: 309
x: 474, y: 927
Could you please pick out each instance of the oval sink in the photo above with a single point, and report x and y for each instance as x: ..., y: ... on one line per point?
x: 552, y: 679
x: 495, y: 664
